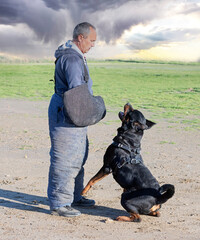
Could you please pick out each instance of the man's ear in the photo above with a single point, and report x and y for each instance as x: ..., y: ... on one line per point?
x: 80, y: 38
x: 149, y: 123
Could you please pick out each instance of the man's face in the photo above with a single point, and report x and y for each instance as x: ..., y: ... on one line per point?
x: 88, y: 42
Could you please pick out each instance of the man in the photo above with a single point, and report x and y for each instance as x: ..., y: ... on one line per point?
x: 69, y: 144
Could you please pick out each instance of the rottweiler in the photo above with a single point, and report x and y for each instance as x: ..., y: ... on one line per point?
x: 142, y: 193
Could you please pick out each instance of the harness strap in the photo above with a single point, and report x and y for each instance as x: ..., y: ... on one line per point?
x: 119, y: 145
x: 127, y: 148
x: 86, y: 75
x: 133, y: 158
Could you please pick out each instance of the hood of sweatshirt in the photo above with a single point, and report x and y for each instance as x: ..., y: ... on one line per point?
x: 66, y: 48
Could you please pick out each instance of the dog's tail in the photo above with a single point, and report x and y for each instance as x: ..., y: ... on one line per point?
x: 166, y: 191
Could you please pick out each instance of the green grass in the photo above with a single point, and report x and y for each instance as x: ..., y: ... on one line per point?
x: 26, y: 81
x: 168, y: 90
x: 166, y: 142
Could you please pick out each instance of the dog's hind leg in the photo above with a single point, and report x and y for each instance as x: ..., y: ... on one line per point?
x: 154, y: 214
x: 100, y: 175
x: 154, y: 211
x: 133, y: 218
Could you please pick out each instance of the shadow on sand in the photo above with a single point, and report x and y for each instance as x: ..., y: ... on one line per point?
x: 29, y: 202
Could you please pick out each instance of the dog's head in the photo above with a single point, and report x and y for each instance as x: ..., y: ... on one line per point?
x: 134, y: 119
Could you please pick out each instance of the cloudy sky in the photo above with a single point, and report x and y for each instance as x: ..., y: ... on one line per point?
x: 130, y: 29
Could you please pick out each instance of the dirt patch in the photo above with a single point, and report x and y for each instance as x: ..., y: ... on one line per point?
x: 171, y: 154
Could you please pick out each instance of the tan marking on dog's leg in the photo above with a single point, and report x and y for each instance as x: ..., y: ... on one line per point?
x: 100, y: 175
x: 154, y: 214
x: 155, y: 208
x: 123, y: 219
x: 133, y: 218
x: 154, y: 211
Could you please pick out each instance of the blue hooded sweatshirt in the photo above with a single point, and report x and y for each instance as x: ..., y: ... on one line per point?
x: 69, y: 69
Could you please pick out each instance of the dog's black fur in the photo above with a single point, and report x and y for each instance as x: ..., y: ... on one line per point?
x: 142, y: 192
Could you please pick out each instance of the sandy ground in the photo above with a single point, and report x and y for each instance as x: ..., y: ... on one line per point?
x: 171, y: 153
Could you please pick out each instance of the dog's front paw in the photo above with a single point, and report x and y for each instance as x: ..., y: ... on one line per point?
x: 84, y: 192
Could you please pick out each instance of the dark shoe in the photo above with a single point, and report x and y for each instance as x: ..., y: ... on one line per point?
x: 84, y: 202
x: 66, y: 212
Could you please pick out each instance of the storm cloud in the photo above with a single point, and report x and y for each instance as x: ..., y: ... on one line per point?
x: 36, y: 27
x: 44, y: 22
x: 53, y: 20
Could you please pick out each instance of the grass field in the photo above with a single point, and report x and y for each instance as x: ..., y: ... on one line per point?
x: 170, y: 91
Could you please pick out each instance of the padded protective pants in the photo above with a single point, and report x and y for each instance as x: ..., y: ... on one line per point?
x: 68, y: 154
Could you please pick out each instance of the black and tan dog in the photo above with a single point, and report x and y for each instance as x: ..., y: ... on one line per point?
x: 142, y: 192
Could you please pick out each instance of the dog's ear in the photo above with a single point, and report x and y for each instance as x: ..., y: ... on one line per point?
x: 121, y: 116
x: 138, y: 126
x: 127, y: 109
x: 149, y: 123
x: 146, y: 126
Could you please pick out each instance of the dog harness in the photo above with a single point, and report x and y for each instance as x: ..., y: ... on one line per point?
x: 133, y: 158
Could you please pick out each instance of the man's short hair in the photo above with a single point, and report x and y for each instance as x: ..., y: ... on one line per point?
x: 82, y: 28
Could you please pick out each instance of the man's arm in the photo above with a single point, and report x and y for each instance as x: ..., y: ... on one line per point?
x: 73, y: 70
